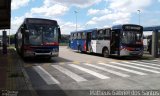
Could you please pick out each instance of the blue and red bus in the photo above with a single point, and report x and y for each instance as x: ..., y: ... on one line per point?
x: 38, y: 37
x: 81, y: 40
x: 119, y: 40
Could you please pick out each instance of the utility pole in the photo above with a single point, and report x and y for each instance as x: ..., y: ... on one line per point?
x: 139, y: 11
x: 76, y: 18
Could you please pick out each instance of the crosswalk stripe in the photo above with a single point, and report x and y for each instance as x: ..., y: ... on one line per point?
x: 124, y: 69
x: 146, y: 63
x: 150, y: 60
x: 49, y: 79
x: 153, y: 71
x: 142, y: 65
x: 107, y: 70
x: 89, y: 71
x: 69, y: 73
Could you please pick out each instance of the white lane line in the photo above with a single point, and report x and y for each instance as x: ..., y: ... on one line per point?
x: 69, y: 73
x: 141, y: 65
x: 108, y: 70
x: 89, y: 71
x: 151, y: 63
x: 149, y: 60
x: 124, y: 69
x: 153, y: 71
x: 46, y: 76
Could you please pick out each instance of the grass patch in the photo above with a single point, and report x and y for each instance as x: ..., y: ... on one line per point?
x: 63, y: 44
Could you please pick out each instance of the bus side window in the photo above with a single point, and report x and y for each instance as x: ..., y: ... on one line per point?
x: 100, y: 35
x: 71, y: 37
x: 74, y: 36
x: 83, y: 36
x: 93, y: 36
x: 106, y: 34
x: 79, y: 36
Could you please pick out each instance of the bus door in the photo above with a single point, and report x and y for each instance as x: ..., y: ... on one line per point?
x: 115, y: 40
x: 88, y: 41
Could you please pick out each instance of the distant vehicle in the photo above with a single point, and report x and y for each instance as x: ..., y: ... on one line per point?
x: 119, y: 40
x: 38, y: 37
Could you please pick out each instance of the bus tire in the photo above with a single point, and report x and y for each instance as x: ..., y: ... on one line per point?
x: 79, y: 49
x: 105, y: 52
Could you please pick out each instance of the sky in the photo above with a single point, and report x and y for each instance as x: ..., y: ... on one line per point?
x: 90, y: 13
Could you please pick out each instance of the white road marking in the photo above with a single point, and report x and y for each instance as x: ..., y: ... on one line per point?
x: 153, y: 71
x: 124, y: 69
x: 141, y: 65
x: 49, y: 79
x: 146, y: 63
x: 89, y: 71
x: 149, y: 60
x: 108, y: 70
x: 69, y: 73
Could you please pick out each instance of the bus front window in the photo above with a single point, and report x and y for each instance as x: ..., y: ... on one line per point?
x: 131, y: 37
x: 50, y: 34
x: 40, y: 34
x: 35, y: 36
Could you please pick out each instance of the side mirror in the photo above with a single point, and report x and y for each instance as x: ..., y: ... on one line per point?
x: 59, y: 33
x: 22, y: 29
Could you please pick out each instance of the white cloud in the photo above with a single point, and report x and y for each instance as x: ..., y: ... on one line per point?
x: 50, y: 11
x: 128, y: 5
x: 116, y: 18
x: 118, y: 11
x: 77, y: 3
x: 98, y: 12
x: 16, y: 4
x: 67, y: 27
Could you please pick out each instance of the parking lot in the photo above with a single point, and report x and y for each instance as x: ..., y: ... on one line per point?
x: 79, y: 71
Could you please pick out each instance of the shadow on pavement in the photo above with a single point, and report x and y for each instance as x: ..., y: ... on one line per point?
x: 45, y: 60
x: 145, y: 56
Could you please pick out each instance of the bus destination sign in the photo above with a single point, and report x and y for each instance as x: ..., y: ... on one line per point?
x: 41, y: 21
x: 137, y: 28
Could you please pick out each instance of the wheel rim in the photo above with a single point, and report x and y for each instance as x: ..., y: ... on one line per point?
x: 105, y: 53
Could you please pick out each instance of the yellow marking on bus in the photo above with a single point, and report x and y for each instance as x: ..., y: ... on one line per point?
x: 61, y: 63
x: 46, y: 64
x: 76, y: 62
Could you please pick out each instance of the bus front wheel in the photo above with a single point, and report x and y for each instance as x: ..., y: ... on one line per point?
x: 105, y: 53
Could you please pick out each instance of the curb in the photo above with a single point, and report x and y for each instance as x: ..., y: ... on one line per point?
x: 26, y: 77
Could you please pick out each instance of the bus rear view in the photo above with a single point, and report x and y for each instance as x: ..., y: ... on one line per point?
x: 38, y: 37
x: 128, y: 40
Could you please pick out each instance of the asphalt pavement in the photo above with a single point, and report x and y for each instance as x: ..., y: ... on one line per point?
x: 79, y: 74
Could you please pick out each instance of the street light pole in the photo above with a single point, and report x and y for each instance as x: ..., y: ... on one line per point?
x: 76, y: 18
x: 139, y: 11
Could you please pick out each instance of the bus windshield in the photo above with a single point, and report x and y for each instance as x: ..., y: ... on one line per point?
x: 40, y: 34
x: 131, y: 37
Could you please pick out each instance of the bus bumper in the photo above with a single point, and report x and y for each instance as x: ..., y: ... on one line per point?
x: 131, y: 53
x: 33, y: 54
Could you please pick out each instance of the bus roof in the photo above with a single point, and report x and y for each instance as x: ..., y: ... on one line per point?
x: 120, y: 26
x: 39, y: 20
x: 88, y: 30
